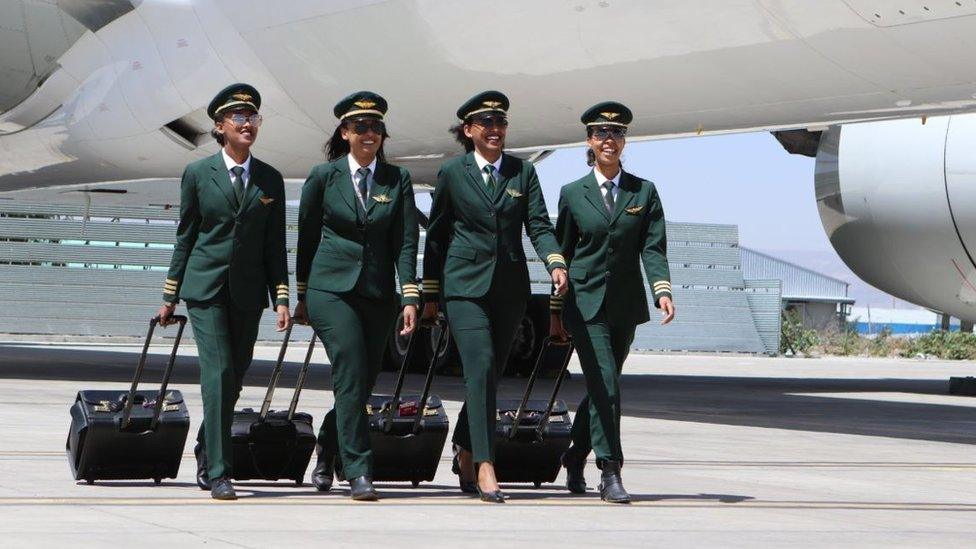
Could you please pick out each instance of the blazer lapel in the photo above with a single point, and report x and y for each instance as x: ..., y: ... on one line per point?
x: 222, y: 179
x: 345, y: 184
x: 476, y: 178
x: 626, y: 196
x: 595, y: 197
x: 505, y: 174
x: 381, y: 185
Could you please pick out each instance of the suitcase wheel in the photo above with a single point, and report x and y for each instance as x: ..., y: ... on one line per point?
x: 415, y: 483
x: 537, y: 484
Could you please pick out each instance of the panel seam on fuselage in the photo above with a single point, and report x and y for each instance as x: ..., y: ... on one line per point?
x: 945, y: 181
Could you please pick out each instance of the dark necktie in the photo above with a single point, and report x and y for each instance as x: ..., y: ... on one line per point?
x: 608, y: 185
x: 238, y: 182
x: 490, y: 181
x: 363, y: 174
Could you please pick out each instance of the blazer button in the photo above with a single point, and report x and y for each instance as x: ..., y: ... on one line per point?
x: 609, y: 250
x: 608, y: 273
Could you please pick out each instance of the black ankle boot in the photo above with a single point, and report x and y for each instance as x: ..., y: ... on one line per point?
x: 324, y: 472
x: 203, y: 476
x: 611, y: 486
x: 574, y: 464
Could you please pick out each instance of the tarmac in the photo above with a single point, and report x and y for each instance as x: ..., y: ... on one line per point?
x: 731, y: 451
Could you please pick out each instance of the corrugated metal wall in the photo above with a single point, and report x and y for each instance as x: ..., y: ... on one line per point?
x: 69, y: 294
x: 798, y: 282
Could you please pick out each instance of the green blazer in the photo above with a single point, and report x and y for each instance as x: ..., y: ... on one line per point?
x: 605, y: 250
x: 339, y: 252
x: 220, y: 243
x: 473, y: 237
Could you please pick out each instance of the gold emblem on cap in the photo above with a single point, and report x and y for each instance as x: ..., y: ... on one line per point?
x: 610, y: 115
x: 242, y: 96
x: 492, y: 104
x: 365, y: 104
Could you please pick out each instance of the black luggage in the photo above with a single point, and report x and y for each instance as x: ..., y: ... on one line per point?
x: 531, y: 435
x: 128, y: 435
x: 274, y: 445
x: 408, y: 432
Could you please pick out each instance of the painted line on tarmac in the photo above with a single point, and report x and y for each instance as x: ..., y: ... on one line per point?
x: 413, y: 500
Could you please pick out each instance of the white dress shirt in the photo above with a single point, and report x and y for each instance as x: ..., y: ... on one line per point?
x: 353, y: 167
x: 601, y: 179
x: 480, y: 160
x: 230, y: 163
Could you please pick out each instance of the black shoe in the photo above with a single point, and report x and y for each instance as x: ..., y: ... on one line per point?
x: 611, y: 486
x: 490, y: 497
x: 324, y: 472
x: 467, y: 486
x: 223, y: 489
x: 574, y: 471
x: 361, y: 489
x: 203, y: 477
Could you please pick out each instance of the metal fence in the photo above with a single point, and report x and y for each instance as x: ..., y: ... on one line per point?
x: 72, y: 269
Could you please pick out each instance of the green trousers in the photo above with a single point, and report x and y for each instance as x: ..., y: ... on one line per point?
x: 602, y: 348
x: 225, y: 336
x: 483, y: 330
x: 355, y: 331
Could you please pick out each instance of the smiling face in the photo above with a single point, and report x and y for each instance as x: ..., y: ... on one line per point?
x: 607, y: 143
x: 488, y: 133
x: 238, y: 136
x: 365, y: 136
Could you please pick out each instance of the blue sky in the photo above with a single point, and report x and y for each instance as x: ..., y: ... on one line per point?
x: 747, y: 180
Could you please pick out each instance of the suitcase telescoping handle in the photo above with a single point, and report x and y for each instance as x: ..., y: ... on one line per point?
x: 402, y: 373
x: 130, y: 400
x: 549, y: 343
x: 276, y: 376
x: 301, y: 378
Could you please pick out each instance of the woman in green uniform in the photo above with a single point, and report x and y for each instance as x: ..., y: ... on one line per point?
x: 474, y: 261
x: 609, y: 223
x: 229, y: 255
x: 357, y: 230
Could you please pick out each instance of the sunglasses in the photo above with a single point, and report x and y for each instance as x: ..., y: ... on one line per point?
x: 489, y: 122
x: 361, y: 127
x: 601, y: 133
x: 239, y: 119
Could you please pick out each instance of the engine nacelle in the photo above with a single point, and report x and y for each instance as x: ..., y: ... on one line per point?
x: 898, y: 202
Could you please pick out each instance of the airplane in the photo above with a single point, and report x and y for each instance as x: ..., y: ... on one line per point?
x: 878, y: 91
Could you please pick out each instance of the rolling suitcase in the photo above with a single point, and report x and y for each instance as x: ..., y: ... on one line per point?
x: 531, y: 435
x: 407, y: 432
x: 128, y: 435
x: 274, y: 445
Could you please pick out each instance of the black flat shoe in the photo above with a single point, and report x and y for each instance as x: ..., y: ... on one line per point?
x: 203, y: 477
x: 496, y: 496
x: 575, y: 481
x: 361, y: 489
x: 223, y: 489
x: 611, y: 485
x: 467, y: 486
x: 323, y: 473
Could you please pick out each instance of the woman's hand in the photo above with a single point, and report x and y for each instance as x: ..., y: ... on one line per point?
x: 409, y: 320
x: 556, y: 329
x: 284, y: 319
x: 560, y: 281
x: 667, y: 310
x: 431, y: 308
x: 165, y: 312
x: 301, y: 313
